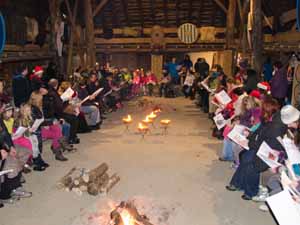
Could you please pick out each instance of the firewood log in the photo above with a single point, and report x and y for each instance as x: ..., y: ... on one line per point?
x: 66, y: 180
x: 97, y: 172
x: 93, y: 189
x: 113, y: 180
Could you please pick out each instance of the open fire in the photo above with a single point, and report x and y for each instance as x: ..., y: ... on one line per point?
x: 127, y: 214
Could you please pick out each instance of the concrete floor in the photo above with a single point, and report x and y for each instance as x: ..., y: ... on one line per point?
x: 180, y: 168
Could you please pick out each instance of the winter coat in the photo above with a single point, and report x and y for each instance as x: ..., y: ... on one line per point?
x: 21, y: 89
x: 279, y: 84
x: 251, y: 83
x: 268, y: 132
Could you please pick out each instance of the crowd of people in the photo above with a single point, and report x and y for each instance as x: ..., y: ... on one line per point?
x: 38, y: 107
x: 253, y: 116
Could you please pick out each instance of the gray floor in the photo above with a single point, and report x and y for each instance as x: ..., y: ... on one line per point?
x: 179, y: 169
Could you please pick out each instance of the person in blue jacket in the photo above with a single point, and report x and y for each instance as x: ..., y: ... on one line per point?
x: 21, y: 86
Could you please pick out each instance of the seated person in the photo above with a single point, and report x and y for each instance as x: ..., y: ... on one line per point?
x: 89, y: 107
x: 62, y: 110
x: 164, y: 84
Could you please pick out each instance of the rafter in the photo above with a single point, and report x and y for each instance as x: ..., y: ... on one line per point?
x: 221, y: 5
x: 153, y: 12
x: 166, y: 12
x: 99, y: 7
x: 199, y: 13
x: 140, y: 5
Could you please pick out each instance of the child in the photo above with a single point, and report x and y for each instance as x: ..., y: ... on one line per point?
x: 136, y: 83
x: 187, y: 88
x: 151, y: 82
x: 25, y: 120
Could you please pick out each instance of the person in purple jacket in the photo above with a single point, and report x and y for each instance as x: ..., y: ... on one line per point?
x: 279, y: 83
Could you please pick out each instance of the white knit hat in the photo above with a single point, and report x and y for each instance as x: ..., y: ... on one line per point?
x: 289, y: 114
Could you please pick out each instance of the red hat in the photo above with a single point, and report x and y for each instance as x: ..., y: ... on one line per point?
x: 255, y: 94
x: 38, y: 70
x: 264, y: 86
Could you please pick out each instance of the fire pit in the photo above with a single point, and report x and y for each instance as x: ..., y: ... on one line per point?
x: 165, y: 125
x: 127, y: 214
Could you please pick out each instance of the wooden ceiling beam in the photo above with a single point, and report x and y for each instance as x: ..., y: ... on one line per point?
x: 153, y: 12
x: 221, y: 5
x: 166, y: 12
x: 99, y: 7
x: 199, y: 13
x: 140, y: 5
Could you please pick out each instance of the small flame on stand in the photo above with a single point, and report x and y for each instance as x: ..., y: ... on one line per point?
x: 127, y: 218
x: 127, y: 119
x: 152, y: 115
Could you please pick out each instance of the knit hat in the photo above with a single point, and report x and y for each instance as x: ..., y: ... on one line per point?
x: 38, y: 70
x: 8, y: 107
x: 264, y: 86
x: 289, y: 114
x: 255, y: 94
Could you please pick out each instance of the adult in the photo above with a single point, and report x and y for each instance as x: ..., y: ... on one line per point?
x: 267, y: 69
x: 21, y: 86
x: 187, y: 62
x: 279, y: 83
x: 89, y: 107
x: 251, y: 81
x: 173, y: 71
x: 62, y: 110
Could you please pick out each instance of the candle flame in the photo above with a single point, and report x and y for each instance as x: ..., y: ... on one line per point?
x: 127, y: 119
x: 152, y: 115
x: 166, y: 121
x: 142, y: 127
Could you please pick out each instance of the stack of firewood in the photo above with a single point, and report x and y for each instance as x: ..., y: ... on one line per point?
x: 94, y: 182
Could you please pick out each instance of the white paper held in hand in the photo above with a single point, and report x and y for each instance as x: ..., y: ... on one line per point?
x: 6, y: 172
x: 220, y: 121
x: 19, y: 132
x: 268, y: 155
x: 223, y: 98
x: 36, y: 124
x: 285, y: 209
x: 237, y: 136
x: 67, y: 95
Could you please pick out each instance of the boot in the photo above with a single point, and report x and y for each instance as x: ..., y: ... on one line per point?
x: 65, y: 146
x: 37, y: 166
x: 43, y: 163
x: 59, y: 156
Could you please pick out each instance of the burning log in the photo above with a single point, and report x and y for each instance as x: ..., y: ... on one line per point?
x: 127, y: 214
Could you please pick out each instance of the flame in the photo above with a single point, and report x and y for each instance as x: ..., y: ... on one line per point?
x: 142, y: 127
x: 165, y: 122
x: 152, y: 115
x: 157, y: 110
x: 127, y: 218
x: 127, y: 119
x: 147, y: 120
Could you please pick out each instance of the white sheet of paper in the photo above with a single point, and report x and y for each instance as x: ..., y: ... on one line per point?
x: 108, y: 93
x: 67, y: 95
x: 285, y: 209
x: 207, y: 88
x: 220, y: 121
x: 237, y: 136
x: 19, y: 132
x: 96, y: 93
x: 36, y: 124
x: 268, y: 155
x: 223, y: 97
x: 84, y: 100
x: 6, y: 172
x: 291, y: 150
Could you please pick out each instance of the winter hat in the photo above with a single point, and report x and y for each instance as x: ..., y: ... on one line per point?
x: 264, y: 86
x: 38, y: 70
x: 289, y: 114
x: 255, y: 94
x: 8, y: 107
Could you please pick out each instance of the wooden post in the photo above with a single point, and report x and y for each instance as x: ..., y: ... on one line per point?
x: 90, y: 33
x: 257, y: 34
x: 72, y: 16
x: 157, y: 65
x: 230, y: 23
